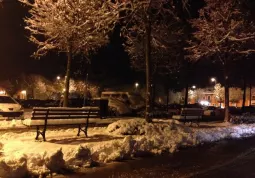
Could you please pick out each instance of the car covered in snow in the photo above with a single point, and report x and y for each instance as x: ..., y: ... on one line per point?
x: 9, y: 107
x: 123, y: 103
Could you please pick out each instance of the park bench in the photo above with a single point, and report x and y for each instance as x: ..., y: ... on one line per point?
x: 190, y: 115
x: 61, y: 116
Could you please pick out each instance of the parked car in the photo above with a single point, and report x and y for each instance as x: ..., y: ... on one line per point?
x: 124, y: 103
x: 9, y: 107
x: 210, y: 111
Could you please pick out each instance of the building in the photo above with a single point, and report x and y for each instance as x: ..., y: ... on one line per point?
x: 208, y: 97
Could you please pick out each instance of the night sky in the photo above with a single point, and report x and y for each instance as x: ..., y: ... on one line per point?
x: 109, y: 66
x: 15, y: 50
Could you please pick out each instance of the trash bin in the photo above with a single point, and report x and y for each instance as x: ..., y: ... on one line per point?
x: 102, y: 104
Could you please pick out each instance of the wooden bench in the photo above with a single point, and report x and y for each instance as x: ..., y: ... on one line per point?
x: 62, y: 116
x: 190, y: 115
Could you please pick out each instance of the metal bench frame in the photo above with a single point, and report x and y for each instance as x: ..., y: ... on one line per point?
x: 192, y: 112
x: 57, y: 113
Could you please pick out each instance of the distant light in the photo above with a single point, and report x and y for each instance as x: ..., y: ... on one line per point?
x: 204, y: 103
x: 2, y: 92
x: 64, y: 90
x: 213, y: 79
x: 23, y: 92
x: 58, y: 77
x: 194, y: 87
x: 136, y: 84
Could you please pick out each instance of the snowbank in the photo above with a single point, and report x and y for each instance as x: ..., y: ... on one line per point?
x: 245, y: 118
x: 124, y: 139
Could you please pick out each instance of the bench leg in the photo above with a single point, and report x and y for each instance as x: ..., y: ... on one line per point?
x: 43, y: 135
x: 38, y: 133
x: 83, y: 130
x: 79, y: 130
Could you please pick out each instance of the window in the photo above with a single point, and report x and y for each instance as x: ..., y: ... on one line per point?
x: 6, y: 99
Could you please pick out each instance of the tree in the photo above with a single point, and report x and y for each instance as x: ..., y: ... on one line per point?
x: 224, y: 34
x: 146, y: 31
x: 219, y: 93
x: 235, y: 94
x: 197, y: 94
x: 70, y: 26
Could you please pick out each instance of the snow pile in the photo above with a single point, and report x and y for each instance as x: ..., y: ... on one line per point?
x: 231, y: 131
x: 121, y: 140
x: 56, y: 163
x: 128, y: 127
x: 17, y: 168
x: 80, y: 158
x: 156, y: 137
x: 245, y: 118
x: 14, y: 123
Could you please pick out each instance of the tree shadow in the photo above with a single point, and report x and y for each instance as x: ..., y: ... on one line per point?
x: 83, y: 139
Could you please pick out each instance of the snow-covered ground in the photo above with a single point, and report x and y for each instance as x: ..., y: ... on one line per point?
x: 20, y: 154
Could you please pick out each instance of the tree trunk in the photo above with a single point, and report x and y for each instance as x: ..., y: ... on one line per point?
x: 250, y: 94
x: 153, y: 95
x: 85, y: 96
x: 67, y: 77
x: 186, y: 94
x: 244, y: 93
x: 227, y: 118
x: 148, y: 70
x: 167, y: 97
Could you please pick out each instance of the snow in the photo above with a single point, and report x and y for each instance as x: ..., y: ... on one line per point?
x: 20, y: 154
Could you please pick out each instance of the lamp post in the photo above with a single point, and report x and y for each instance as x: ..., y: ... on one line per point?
x: 136, y: 86
x: 213, y: 80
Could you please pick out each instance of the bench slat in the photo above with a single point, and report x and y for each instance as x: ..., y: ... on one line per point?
x: 67, y: 117
x: 66, y: 109
x: 65, y: 113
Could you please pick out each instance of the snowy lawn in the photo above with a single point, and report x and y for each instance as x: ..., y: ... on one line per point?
x: 20, y: 154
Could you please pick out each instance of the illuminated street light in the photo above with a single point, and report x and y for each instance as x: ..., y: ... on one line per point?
x: 194, y: 87
x: 23, y: 94
x: 58, y: 77
x: 136, y: 84
x: 213, y: 79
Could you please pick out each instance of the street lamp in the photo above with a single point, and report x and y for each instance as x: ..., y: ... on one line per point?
x: 194, y: 87
x: 58, y: 77
x: 136, y: 85
x: 213, y: 80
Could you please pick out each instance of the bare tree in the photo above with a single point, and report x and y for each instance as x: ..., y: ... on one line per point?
x: 224, y: 34
x: 70, y: 26
x: 148, y: 36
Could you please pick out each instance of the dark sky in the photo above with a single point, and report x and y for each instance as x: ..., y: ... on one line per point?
x: 15, y: 49
x: 110, y: 65
x: 15, y: 52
